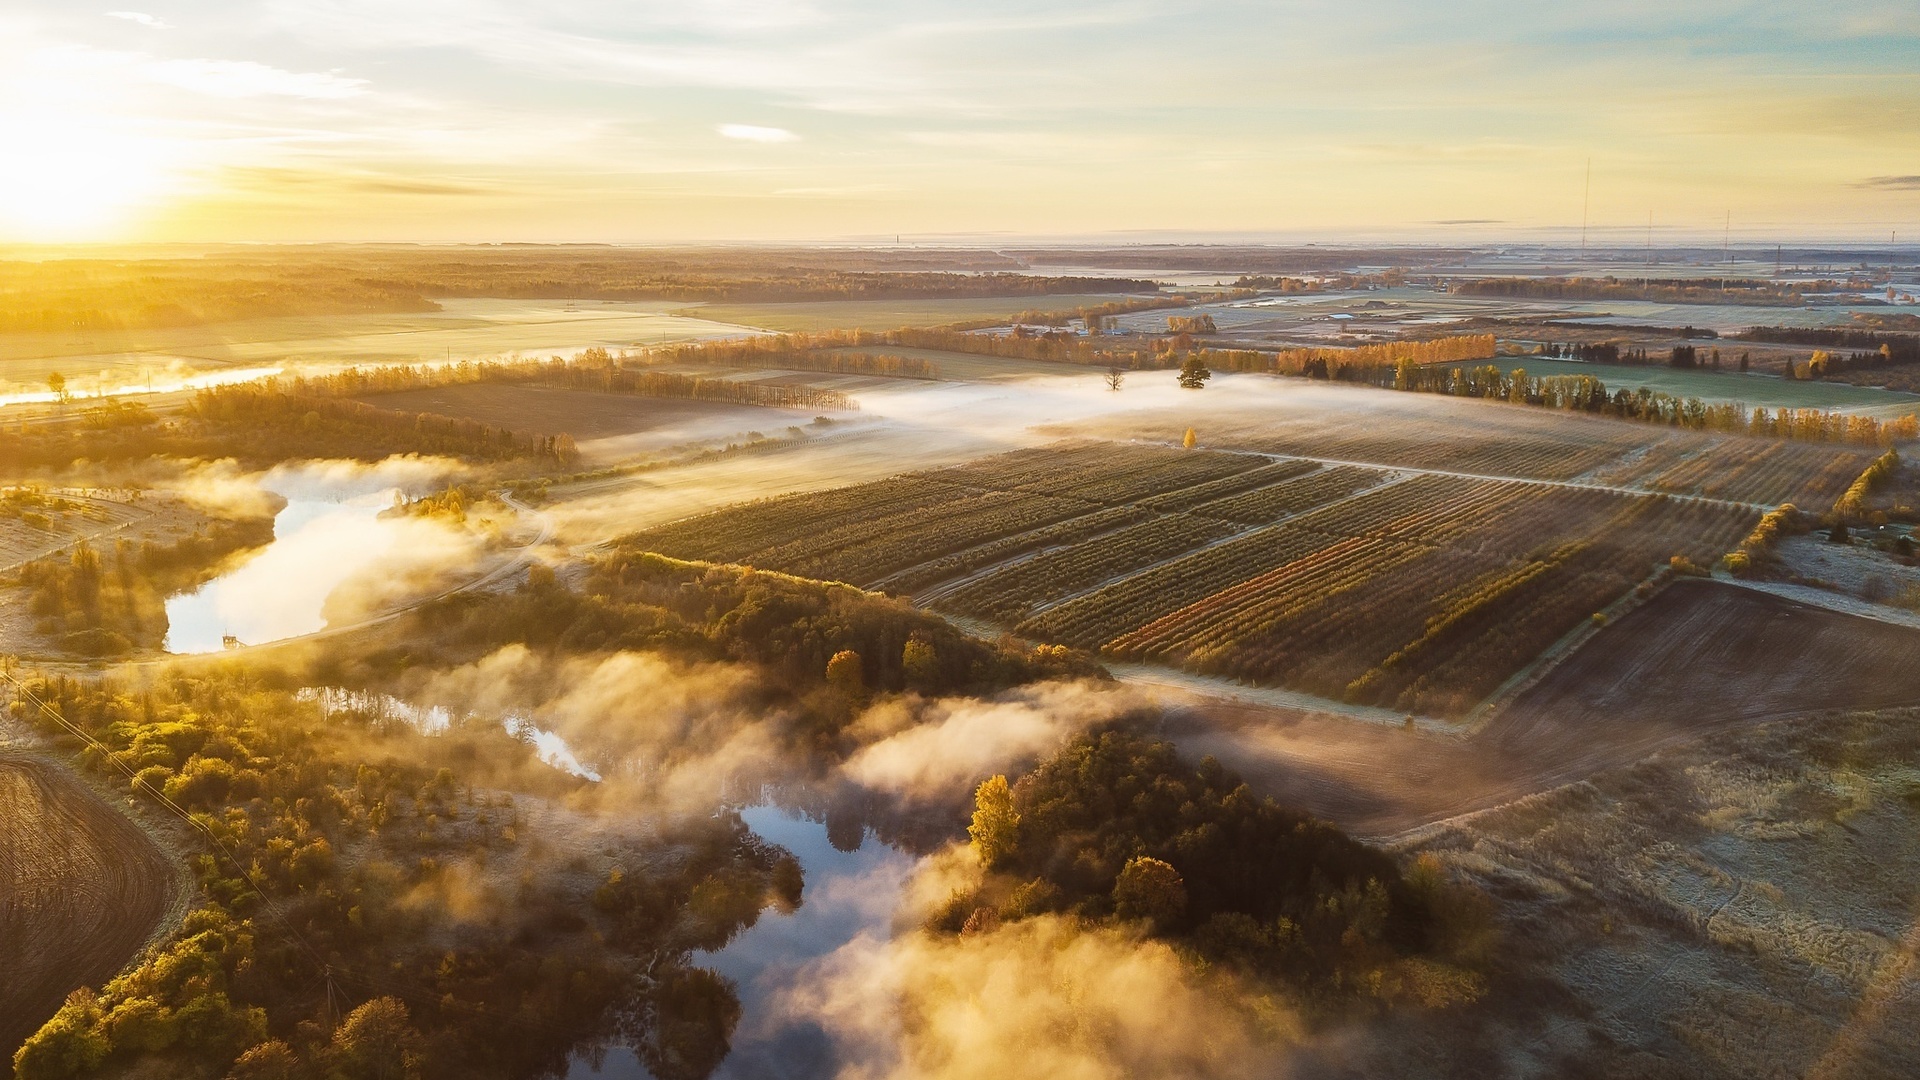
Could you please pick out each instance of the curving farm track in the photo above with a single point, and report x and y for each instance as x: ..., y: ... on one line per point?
x: 81, y: 888
x: 1700, y: 657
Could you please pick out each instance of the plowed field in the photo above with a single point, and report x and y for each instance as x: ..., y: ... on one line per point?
x: 81, y: 887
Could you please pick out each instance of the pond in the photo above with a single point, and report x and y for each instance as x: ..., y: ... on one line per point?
x: 849, y: 893
x: 329, y: 530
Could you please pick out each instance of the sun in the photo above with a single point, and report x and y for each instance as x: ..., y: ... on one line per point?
x: 70, y: 177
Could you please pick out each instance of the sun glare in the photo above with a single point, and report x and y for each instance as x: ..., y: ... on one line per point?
x: 70, y: 178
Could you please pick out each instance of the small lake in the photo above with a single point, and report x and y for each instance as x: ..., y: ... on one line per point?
x: 848, y: 894
x: 329, y: 530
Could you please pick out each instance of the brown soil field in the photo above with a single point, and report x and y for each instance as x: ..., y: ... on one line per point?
x: 1743, y: 906
x: 606, y: 426
x: 581, y: 414
x: 1696, y: 658
x: 81, y: 888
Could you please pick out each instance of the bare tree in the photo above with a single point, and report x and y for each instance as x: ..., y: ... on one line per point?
x: 1115, y: 377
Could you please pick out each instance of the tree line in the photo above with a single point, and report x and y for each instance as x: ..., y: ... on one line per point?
x: 1745, y: 291
x: 1853, y: 503
x: 593, y: 369
x: 1584, y: 393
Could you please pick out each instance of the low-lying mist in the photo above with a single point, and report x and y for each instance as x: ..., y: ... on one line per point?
x: 336, y: 557
x: 1039, y: 997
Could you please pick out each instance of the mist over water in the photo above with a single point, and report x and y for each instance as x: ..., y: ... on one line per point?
x: 850, y: 896
x: 329, y: 531
x: 279, y: 593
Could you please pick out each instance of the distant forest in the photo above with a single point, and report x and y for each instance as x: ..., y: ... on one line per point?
x: 1670, y: 291
x: 103, y: 294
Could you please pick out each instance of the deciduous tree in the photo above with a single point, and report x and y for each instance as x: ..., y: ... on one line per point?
x: 1150, y: 889
x: 995, y: 831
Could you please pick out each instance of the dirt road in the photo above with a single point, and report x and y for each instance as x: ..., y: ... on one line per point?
x: 1698, y: 658
x: 81, y: 888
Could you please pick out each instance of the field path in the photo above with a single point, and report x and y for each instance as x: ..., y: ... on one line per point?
x: 140, y: 514
x: 81, y: 888
x: 1575, y: 484
x: 1699, y: 657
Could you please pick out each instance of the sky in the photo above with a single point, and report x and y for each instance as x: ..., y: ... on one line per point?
x: 676, y: 121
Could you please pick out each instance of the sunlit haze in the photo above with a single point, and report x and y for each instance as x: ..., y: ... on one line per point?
x: 840, y: 540
x: 749, y: 120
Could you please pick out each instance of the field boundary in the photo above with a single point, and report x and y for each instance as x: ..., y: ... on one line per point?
x: 1575, y: 485
x: 1553, y: 655
x: 1390, y: 480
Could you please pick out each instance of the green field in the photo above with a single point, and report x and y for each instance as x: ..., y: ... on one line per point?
x: 810, y: 316
x: 1711, y: 386
x: 464, y: 328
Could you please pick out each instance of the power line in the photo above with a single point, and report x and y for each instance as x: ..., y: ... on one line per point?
x: 419, y: 992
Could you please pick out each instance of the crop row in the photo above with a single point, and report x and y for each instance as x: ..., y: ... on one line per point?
x: 1091, y: 620
x: 1007, y: 595
x: 1427, y: 594
x: 1233, y: 614
x: 1440, y: 631
x: 869, y: 551
x: 1331, y: 630
x: 1637, y: 466
x: 1043, y: 464
x: 1408, y: 508
x: 1214, y: 490
x: 1521, y: 455
x: 1766, y: 472
x: 1137, y: 602
x: 801, y: 532
x: 1071, y: 531
x: 1272, y: 503
x: 1123, y: 482
x: 1477, y: 637
x: 732, y: 534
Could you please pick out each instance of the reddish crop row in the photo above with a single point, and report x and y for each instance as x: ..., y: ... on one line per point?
x: 915, y: 530
x: 1273, y: 503
x: 733, y: 534
x: 867, y: 551
x: 1424, y: 594
x: 1008, y: 594
x: 1091, y: 620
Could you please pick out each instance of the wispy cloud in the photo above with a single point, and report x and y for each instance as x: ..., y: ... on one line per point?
x: 756, y: 133
x: 142, y: 18
x: 927, y: 116
x: 245, y: 78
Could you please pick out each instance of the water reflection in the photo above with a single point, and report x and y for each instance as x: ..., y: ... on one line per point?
x: 853, y: 887
x: 329, y: 530
x: 431, y: 719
